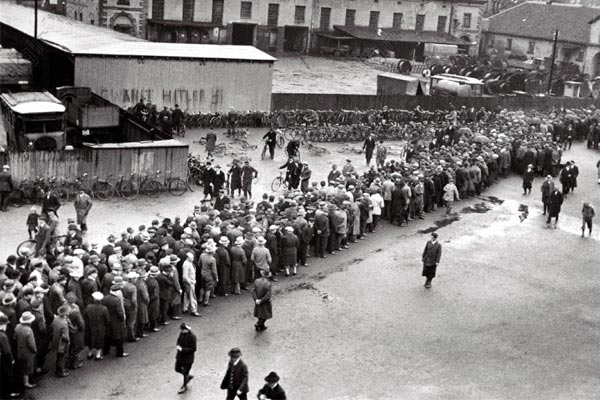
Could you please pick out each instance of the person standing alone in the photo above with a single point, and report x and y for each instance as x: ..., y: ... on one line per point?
x: 186, y: 347
x: 263, y: 310
x: 431, y: 258
x: 588, y: 213
x: 369, y: 147
x: 83, y: 204
x: 6, y: 186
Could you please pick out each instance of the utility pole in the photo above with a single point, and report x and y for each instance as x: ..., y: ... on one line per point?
x: 553, y: 58
x: 35, y: 16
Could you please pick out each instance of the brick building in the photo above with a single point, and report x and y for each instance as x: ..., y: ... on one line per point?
x: 278, y: 25
x: 126, y: 16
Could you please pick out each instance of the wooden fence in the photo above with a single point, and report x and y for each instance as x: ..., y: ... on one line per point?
x: 311, y: 101
x: 99, y: 161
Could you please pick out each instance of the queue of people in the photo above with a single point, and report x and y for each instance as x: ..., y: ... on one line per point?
x: 82, y: 299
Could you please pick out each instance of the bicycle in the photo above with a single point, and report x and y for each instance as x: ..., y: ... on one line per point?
x: 102, y: 190
x: 316, y: 150
x: 127, y: 189
x: 278, y: 182
x: 150, y: 186
x: 27, y: 247
x: 176, y: 186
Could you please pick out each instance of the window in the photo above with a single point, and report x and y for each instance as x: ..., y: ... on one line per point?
x: 509, y: 44
x: 531, y: 47
x: 580, y: 55
x: 467, y: 21
x: 441, y: 26
x: 217, y: 11
x: 123, y: 2
x: 299, y: 14
x: 91, y: 22
x: 397, y: 21
x: 158, y: 9
x: 81, y: 16
x: 273, y: 14
x: 420, y: 22
x: 246, y: 10
x: 350, y: 15
x: 325, y: 18
x: 188, y: 10
x: 374, y: 20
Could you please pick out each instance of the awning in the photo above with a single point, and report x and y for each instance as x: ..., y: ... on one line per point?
x: 334, y: 37
x: 397, y: 35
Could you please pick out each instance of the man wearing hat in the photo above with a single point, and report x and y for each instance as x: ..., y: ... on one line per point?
x: 153, y: 298
x: 116, y: 312
x: 248, y: 174
x: 223, y: 267
x: 272, y: 390
x: 60, y: 339
x: 186, y: 347
x: 235, y: 380
x: 83, y: 204
x: 261, y: 256
x: 189, y: 285
x: 129, y: 291
x: 289, y: 250
x: 26, y: 348
x: 6, y: 186
x: 431, y: 258
x: 167, y: 290
x: 261, y: 293
x: 97, y: 322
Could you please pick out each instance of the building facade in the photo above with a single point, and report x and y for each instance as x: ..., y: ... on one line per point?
x: 126, y: 16
x: 293, y: 25
x: 528, y: 30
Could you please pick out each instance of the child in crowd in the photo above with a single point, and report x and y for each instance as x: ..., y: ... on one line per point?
x: 32, y: 222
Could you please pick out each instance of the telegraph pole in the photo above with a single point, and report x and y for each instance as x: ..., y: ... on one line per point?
x: 553, y: 58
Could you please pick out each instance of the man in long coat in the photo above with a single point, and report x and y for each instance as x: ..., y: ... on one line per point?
x: 153, y: 298
x: 248, y: 174
x: 83, y: 204
x: 235, y: 380
x: 431, y: 258
x: 6, y: 186
x: 555, y: 201
x: 97, y: 322
x: 116, y: 332
x: 263, y: 309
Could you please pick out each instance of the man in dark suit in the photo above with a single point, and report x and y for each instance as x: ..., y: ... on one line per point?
x: 6, y: 186
x: 431, y: 258
x: 186, y: 347
x: 271, y: 390
x: 369, y: 146
x: 50, y: 204
x: 236, y: 377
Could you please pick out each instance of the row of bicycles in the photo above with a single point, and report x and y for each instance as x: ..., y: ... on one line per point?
x: 288, y: 118
x: 34, y: 192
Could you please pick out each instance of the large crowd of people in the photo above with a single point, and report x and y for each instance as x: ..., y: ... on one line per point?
x: 81, y: 299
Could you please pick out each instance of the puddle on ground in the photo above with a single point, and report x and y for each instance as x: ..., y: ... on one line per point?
x: 479, y: 208
x: 440, y: 224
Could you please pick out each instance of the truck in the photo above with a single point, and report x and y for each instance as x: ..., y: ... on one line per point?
x: 88, y: 117
x: 15, y: 71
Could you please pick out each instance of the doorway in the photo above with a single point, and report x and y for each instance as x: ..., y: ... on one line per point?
x: 242, y: 34
x: 295, y: 38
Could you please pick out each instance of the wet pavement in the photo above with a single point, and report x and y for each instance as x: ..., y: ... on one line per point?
x: 512, y: 314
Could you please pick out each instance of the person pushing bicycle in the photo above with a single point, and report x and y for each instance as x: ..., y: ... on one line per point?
x: 271, y: 142
x: 293, y: 148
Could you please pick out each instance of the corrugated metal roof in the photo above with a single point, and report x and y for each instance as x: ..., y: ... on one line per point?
x: 83, y: 39
x: 398, y: 35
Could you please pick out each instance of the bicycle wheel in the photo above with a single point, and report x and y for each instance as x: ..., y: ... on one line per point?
x: 16, y: 198
x: 280, y: 141
x: 27, y: 245
x: 177, y: 187
x: 129, y: 190
x: 151, y: 188
x: 62, y: 195
x: 104, y: 191
x: 276, y: 184
x: 264, y: 153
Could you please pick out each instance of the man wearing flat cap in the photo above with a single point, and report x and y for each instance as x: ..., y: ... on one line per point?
x: 236, y: 377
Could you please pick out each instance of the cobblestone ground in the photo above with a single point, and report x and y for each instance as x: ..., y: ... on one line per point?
x: 512, y: 314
